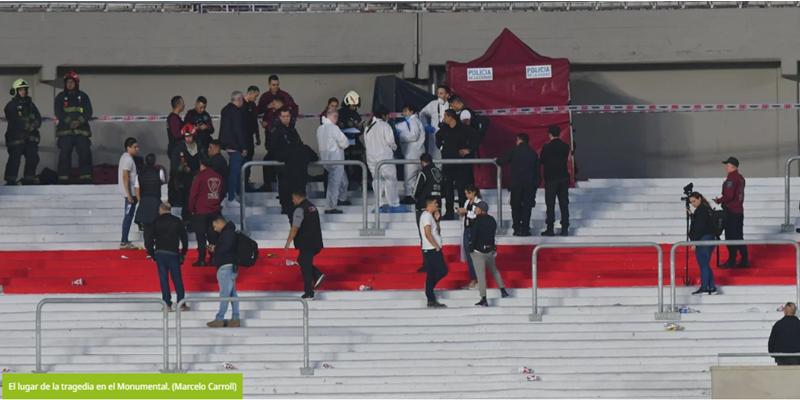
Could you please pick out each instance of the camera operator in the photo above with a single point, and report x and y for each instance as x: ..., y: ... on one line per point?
x: 732, y: 201
x: 702, y: 229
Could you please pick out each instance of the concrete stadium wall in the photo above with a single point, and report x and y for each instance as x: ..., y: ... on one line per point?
x: 133, y: 63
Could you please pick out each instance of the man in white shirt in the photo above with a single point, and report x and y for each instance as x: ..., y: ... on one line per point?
x: 432, y: 257
x: 433, y: 114
x: 411, y: 135
x: 128, y: 181
x: 332, y: 143
x: 380, y: 145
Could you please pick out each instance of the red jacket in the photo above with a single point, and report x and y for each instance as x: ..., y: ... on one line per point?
x: 269, y: 115
x: 732, y: 198
x: 206, y: 193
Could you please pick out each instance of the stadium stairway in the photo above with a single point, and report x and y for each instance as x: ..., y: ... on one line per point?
x: 79, y: 225
x: 592, y: 343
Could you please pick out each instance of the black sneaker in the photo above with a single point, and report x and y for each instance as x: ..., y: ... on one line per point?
x: 548, y: 233
x: 504, y: 293
x: 700, y: 291
x: 333, y: 211
x: 564, y: 231
x: 436, y: 304
x: 309, y: 296
x: 482, y: 303
x: 712, y: 291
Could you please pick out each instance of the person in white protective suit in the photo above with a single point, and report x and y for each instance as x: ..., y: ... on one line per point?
x: 380, y: 145
x: 332, y: 143
x: 411, y: 135
x: 433, y: 114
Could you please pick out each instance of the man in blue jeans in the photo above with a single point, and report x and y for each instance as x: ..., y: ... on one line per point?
x: 128, y: 181
x: 225, y: 259
x: 162, y: 246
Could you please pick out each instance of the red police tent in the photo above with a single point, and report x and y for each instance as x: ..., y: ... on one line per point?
x: 510, y: 74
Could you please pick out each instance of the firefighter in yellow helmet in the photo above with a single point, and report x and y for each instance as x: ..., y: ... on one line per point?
x: 73, y: 110
x: 22, y: 134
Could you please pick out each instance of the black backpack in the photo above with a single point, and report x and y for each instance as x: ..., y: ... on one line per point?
x: 246, y: 250
x: 717, y: 222
x: 480, y: 123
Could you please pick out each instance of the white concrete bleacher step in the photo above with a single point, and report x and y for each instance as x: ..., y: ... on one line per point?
x: 592, y: 342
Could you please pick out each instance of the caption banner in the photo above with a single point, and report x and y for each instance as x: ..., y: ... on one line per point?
x: 122, y: 386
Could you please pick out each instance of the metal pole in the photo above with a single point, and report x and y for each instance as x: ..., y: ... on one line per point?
x: 306, y: 369
x: 376, y: 177
x: 787, y: 225
x: 499, y: 173
x: 242, y: 176
x: 178, y: 336
x: 39, y: 335
x: 364, y: 199
x: 535, y: 316
x: 166, y: 338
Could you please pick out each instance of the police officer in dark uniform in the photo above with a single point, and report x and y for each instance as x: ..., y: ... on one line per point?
x: 306, y: 234
x: 524, y: 182
x: 457, y: 141
x: 73, y: 108
x: 22, y: 134
x: 732, y: 201
x: 429, y: 185
x: 554, y: 157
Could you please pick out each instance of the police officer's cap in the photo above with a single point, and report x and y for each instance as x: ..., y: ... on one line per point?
x: 733, y: 161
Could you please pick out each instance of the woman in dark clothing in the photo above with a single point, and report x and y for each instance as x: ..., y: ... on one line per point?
x: 185, y: 164
x: 702, y: 229
x: 151, y: 177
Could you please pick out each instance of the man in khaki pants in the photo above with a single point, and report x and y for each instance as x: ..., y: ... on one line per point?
x: 483, y: 251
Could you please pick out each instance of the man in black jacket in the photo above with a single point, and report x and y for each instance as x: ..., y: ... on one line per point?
x: 293, y: 175
x: 252, y: 127
x: 218, y: 162
x: 22, y: 134
x: 282, y: 134
x: 224, y: 250
x: 524, y: 182
x: 556, y: 181
x: 201, y: 119
x: 482, y: 249
x: 306, y: 235
x: 162, y: 246
x: 785, y: 336
x: 233, y: 135
x: 457, y: 141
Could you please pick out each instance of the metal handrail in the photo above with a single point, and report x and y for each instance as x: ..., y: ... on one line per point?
x: 743, y: 355
x: 98, y: 300
x: 321, y: 163
x: 734, y: 243
x: 535, y: 316
x: 377, y: 231
x: 305, y: 370
x: 787, y: 226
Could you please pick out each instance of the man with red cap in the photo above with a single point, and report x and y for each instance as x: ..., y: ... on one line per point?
x: 74, y: 111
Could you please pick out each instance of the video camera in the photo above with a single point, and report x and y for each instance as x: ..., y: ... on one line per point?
x: 687, y: 190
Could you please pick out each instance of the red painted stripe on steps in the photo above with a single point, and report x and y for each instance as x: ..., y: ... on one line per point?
x: 382, y: 268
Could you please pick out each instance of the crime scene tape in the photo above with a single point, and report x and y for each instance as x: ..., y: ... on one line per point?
x: 537, y: 110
